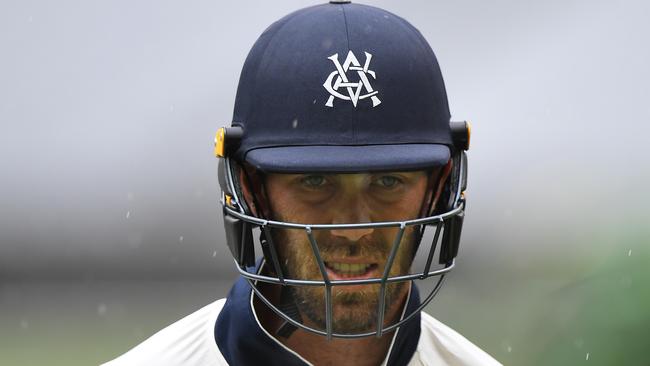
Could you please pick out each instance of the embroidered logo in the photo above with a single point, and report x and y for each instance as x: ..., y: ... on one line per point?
x: 339, y: 79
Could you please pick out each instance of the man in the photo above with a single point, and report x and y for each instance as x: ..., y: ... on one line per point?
x: 340, y: 156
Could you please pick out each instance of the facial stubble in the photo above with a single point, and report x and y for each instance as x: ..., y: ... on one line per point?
x: 354, y: 311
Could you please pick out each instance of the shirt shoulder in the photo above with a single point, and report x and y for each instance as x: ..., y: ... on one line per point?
x: 189, y: 341
x: 441, y: 345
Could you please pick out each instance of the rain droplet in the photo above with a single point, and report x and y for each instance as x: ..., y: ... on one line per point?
x: 294, y: 124
x: 128, y: 214
x: 129, y: 196
x: 171, y: 108
x: 180, y: 239
x: 24, y: 324
x: 101, y: 309
x: 30, y: 19
x: 629, y: 253
x: 214, y: 254
x: 509, y: 349
x: 587, y: 358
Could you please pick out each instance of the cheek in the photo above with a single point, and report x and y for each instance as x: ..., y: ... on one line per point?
x: 406, y: 207
x: 405, y: 252
x: 285, y: 207
x: 296, y: 255
x: 415, y: 198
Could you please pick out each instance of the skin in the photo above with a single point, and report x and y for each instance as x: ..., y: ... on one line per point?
x: 335, y: 199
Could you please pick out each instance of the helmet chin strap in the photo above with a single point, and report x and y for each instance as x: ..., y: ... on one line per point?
x: 289, y: 307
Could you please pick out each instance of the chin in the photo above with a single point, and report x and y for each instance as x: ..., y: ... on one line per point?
x: 353, y: 312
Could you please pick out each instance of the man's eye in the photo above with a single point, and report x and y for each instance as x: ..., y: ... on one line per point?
x: 313, y: 181
x: 388, y: 181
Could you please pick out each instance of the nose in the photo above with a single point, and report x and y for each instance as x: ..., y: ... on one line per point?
x: 353, y: 211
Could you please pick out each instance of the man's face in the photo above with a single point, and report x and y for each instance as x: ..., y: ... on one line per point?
x: 351, y: 253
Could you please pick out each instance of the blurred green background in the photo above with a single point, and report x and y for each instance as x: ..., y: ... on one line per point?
x: 110, y: 227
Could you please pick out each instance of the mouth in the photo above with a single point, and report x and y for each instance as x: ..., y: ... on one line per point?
x: 350, y: 271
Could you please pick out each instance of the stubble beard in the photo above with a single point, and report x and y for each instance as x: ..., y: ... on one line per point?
x: 352, y: 311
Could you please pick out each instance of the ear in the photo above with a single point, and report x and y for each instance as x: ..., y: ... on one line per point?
x: 246, y: 189
x: 439, y: 184
x: 252, y: 189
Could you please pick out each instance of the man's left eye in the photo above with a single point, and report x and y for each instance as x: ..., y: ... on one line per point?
x: 388, y: 181
x: 313, y: 181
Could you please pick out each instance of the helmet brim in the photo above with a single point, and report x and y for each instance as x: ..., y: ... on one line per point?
x: 348, y: 159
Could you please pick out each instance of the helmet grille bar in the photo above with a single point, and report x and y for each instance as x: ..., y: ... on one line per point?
x: 273, y: 253
x: 432, y: 250
x: 381, y: 309
x: 374, y: 225
x: 326, y: 278
x: 290, y: 282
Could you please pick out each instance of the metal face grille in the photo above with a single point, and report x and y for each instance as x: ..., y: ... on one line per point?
x: 437, y: 222
x: 446, y: 234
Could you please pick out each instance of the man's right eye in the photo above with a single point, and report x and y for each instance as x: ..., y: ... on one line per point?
x: 313, y: 181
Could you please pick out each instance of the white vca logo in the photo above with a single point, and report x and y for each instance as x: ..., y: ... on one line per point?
x: 338, y: 79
